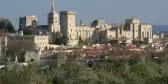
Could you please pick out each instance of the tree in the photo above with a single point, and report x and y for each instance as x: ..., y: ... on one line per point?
x: 58, y: 34
x: 58, y: 38
x: 10, y: 27
x: 46, y: 48
x: 27, y: 32
x: 64, y: 40
x: 80, y: 43
x: 22, y: 27
x: 73, y: 72
x: 87, y: 42
x: 16, y: 48
x: 5, y: 23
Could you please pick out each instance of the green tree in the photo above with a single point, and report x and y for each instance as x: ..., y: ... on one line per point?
x: 80, y: 43
x: 5, y: 23
x: 73, y: 72
x: 58, y: 38
x: 21, y: 27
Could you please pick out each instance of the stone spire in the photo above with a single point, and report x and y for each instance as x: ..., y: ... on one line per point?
x: 53, y: 6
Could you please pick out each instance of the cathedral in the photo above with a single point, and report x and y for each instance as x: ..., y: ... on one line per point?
x: 98, y: 31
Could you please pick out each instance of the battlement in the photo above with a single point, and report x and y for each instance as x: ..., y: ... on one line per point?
x: 67, y: 12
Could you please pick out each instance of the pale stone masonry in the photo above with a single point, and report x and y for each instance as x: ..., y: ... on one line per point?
x: 53, y: 20
x: 28, y: 41
x: 98, y: 31
x: 27, y: 20
x: 3, y: 47
x: 133, y: 29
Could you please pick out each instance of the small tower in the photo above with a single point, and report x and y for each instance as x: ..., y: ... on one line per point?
x: 81, y: 22
x: 67, y: 22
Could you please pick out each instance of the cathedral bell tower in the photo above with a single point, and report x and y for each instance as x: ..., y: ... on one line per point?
x: 53, y: 19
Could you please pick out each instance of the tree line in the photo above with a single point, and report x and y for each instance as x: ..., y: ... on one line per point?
x: 73, y: 72
x: 6, y: 26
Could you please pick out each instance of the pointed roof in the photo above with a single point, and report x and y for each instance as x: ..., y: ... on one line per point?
x: 53, y: 6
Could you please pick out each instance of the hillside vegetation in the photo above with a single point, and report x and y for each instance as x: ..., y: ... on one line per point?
x: 114, y: 72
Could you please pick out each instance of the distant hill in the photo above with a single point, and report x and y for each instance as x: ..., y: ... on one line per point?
x: 161, y: 28
x: 6, y: 26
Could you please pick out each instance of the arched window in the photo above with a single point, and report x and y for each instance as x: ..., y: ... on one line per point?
x: 120, y: 31
x: 86, y: 34
x: 77, y: 35
x: 150, y: 34
x: 89, y: 34
x: 142, y: 34
x: 70, y: 37
x: 83, y: 33
x: 147, y: 34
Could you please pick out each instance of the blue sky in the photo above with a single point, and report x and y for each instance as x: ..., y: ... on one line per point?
x: 112, y: 11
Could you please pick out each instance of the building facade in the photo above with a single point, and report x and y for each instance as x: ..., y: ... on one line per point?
x: 28, y: 41
x: 3, y: 47
x: 27, y: 21
x: 69, y: 28
x: 98, y: 31
x: 133, y: 29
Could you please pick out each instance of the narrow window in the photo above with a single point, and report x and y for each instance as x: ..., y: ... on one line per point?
x: 142, y: 34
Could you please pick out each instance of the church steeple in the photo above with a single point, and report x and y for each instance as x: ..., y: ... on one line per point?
x: 53, y: 6
x: 52, y: 16
x: 53, y: 19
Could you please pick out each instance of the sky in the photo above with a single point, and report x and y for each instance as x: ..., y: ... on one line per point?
x: 112, y: 11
